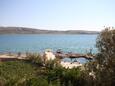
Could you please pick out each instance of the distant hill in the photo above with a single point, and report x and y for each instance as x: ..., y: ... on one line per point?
x: 23, y: 30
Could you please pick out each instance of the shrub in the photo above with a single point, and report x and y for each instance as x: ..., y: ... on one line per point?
x: 34, y: 58
x: 37, y: 82
x: 11, y: 73
x: 106, y: 57
x: 104, y: 64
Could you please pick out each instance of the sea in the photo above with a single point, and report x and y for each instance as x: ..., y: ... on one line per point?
x: 39, y: 43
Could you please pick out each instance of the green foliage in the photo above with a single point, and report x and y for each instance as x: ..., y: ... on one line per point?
x: 66, y: 77
x: 104, y: 64
x: 52, y: 64
x: 22, y: 73
x: 14, y: 72
x: 106, y: 57
x: 34, y: 58
x: 106, y: 47
x: 37, y: 82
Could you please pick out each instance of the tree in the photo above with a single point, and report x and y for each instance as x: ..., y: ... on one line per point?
x: 106, y: 57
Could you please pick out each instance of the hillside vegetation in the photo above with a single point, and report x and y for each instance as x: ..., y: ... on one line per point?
x: 23, y: 30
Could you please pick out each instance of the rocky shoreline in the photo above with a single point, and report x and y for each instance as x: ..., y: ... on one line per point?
x: 48, y: 55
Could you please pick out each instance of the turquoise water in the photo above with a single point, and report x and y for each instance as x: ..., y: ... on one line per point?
x: 38, y: 43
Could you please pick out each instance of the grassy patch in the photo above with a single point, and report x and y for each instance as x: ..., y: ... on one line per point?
x: 16, y: 71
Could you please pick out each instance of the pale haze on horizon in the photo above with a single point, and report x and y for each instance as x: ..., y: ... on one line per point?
x: 58, y: 14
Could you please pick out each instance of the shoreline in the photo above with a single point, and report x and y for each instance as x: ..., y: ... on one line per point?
x: 66, y: 64
x: 14, y: 57
x: 59, y: 55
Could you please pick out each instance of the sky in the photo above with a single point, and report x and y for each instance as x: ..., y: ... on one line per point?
x: 58, y: 14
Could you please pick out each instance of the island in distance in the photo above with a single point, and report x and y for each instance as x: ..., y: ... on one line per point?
x: 25, y: 30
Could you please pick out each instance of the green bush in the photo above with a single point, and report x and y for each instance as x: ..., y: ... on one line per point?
x: 106, y: 57
x: 66, y: 77
x: 15, y: 71
x: 37, y: 82
x: 35, y: 58
x: 104, y: 64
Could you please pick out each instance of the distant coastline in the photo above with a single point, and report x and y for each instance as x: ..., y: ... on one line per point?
x: 25, y: 30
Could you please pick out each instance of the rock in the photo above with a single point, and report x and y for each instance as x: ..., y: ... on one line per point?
x: 70, y: 65
x: 48, y: 55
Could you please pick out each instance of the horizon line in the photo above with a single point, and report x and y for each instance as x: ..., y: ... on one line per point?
x: 49, y: 29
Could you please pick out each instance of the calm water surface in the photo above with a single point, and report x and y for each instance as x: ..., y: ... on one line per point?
x: 38, y: 43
